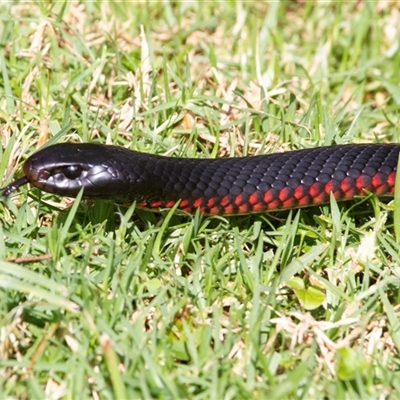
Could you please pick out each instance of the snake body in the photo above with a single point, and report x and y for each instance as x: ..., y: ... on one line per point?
x: 240, y: 185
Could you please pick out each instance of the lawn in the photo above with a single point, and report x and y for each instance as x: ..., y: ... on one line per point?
x: 104, y: 301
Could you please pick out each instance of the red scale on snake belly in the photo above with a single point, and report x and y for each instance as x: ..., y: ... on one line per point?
x: 211, y: 207
x: 256, y: 202
x: 229, y: 209
x: 363, y: 182
x: 170, y: 204
x: 258, y: 207
x: 154, y: 204
x: 242, y: 204
x: 274, y: 205
x: 302, y: 195
x: 184, y: 204
x: 348, y: 188
x: 317, y: 193
x: 271, y: 199
x: 225, y: 201
x: 211, y: 211
x: 286, y: 196
x: 211, y: 203
x: 380, y: 183
x: 197, y: 203
x: 333, y: 187
x: 227, y: 206
x: 238, y: 200
x: 254, y: 198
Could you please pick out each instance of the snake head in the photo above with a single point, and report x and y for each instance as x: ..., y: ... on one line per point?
x: 64, y: 169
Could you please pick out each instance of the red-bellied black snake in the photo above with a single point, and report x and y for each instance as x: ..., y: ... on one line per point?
x: 214, y: 186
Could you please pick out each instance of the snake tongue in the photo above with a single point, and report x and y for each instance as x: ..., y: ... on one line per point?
x: 5, y: 192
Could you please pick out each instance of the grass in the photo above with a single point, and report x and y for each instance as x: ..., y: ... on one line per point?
x: 101, y: 301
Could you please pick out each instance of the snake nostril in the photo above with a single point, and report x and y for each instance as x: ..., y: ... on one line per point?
x: 43, y: 175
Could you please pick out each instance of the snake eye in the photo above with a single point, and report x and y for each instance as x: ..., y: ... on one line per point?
x: 72, y: 171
